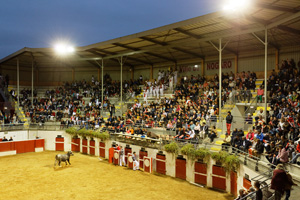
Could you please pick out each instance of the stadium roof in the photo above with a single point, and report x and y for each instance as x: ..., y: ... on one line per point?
x: 189, y: 39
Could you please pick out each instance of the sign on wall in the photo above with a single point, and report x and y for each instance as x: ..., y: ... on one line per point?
x: 188, y: 68
x: 215, y: 65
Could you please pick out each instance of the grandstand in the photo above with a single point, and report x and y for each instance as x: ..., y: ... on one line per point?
x: 166, y: 84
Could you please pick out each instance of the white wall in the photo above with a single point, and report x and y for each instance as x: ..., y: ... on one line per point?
x: 16, y: 135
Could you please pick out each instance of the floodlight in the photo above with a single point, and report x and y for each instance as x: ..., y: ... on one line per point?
x: 63, y: 49
x: 196, y: 66
x: 236, y: 5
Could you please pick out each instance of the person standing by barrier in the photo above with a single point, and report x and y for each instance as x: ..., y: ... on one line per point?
x: 258, y: 193
x: 229, y: 119
x: 136, y: 165
x: 279, y: 181
x: 288, y: 187
x: 122, y: 157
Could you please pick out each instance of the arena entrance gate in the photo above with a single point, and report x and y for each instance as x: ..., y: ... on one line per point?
x: 161, y: 163
x: 141, y: 157
x: 75, y: 144
x: 102, y: 149
x: 180, y: 167
x: 59, y: 143
x: 201, y: 173
x: 219, y: 177
x: 92, y: 147
x: 84, y: 146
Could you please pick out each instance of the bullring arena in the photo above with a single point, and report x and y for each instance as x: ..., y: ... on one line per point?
x: 32, y: 176
x: 210, y: 105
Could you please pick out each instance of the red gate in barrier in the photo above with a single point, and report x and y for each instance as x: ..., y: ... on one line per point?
x: 92, y: 147
x: 181, y: 168
x: 127, y: 150
x: 161, y: 163
x: 102, y: 149
x: 59, y: 144
x: 147, y: 164
x: 84, y: 146
x: 130, y: 161
x: 219, y: 177
x: 233, y: 183
x: 246, y: 183
x: 116, y: 157
x: 141, y: 157
x: 201, y: 173
x: 75, y: 144
x: 111, y: 154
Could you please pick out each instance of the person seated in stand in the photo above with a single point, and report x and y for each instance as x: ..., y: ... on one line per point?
x: 203, y: 130
x: 241, y: 194
x: 245, y: 144
x: 296, y: 153
x: 259, y: 148
x: 190, y: 134
x: 10, y: 139
x: 282, y: 156
x: 226, y: 142
x: 213, y: 134
x: 237, y: 142
x: 4, y: 139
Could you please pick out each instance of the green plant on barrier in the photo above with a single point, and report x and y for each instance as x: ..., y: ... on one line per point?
x: 219, y: 157
x: 203, y: 154
x: 189, y: 151
x: 102, y: 136
x: 83, y: 132
x: 172, y: 148
x: 72, y: 131
x: 232, y: 163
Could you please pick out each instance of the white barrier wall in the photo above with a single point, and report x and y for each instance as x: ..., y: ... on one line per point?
x: 16, y: 135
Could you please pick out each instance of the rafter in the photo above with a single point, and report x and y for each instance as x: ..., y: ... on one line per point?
x: 289, y: 29
x: 277, y: 8
x: 180, y: 30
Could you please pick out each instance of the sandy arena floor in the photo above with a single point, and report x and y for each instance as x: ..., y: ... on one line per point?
x: 32, y: 176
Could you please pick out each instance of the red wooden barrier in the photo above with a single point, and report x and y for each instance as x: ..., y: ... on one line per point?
x: 116, y: 157
x: 130, y: 161
x: 84, y: 146
x: 201, y: 173
x: 40, y: 143
x: 233, y: 183
x: 25, y: 146
x: 219, y: 177
x: 102, y: 149
x: 127, y: 150
x: 161, y: 163
x: 7, y: 146
x: 141, y: 157
x: 246, y: 183
x: 92, y: 147
x: 181, y: 168
x: 75, y: 145
x: 59, y: 144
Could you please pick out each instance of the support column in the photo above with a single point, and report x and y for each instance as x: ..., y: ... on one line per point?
x: 37, y: 76
x: 220, y: 76
x: 277, y: 60
x: 236, y: 60
x: 32, y: 83
x: 18, y: 82
x: 151, y: 72
x: 121, y: 91
x: 102, y: 103
x: 266, y: 69
x: 98, y: 75
x: 202, y: 67
x: 132, y: 73
x: 73, y: 74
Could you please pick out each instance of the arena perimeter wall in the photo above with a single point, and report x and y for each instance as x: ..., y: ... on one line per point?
x: 172, y: 163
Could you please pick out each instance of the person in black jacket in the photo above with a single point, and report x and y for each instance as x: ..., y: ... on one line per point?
x: 229, y: 118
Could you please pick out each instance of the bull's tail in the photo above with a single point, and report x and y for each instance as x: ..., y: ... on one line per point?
x: 55, y: 161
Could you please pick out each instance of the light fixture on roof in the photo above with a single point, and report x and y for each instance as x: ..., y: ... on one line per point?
x: 63, y: 49
x: 196, y: 66
x: 236, y: 5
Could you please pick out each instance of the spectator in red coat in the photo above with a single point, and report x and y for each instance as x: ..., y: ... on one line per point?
x: 279, y: 181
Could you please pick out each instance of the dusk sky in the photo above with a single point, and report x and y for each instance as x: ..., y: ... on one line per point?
x: 40, y: 23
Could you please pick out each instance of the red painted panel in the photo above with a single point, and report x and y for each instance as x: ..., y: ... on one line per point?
x: 111, y: 155
x: 84, y: 146
x: 7, y: 146
x: 92, y: 144
x: 246, y: 183
x: 220, y: 171
x: 201, y: 168
x: 149, y: 168
x: 127, y: 150
x: 181, y: 169
x: 219, y: 183
x: 25, y: 146
x: 141, y: 158
x: 59, y: 146
x: 160, y: 165
x: 233, y: 183
x: 102, y: 149
x: 76, y: 146
x: 40, y: 143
